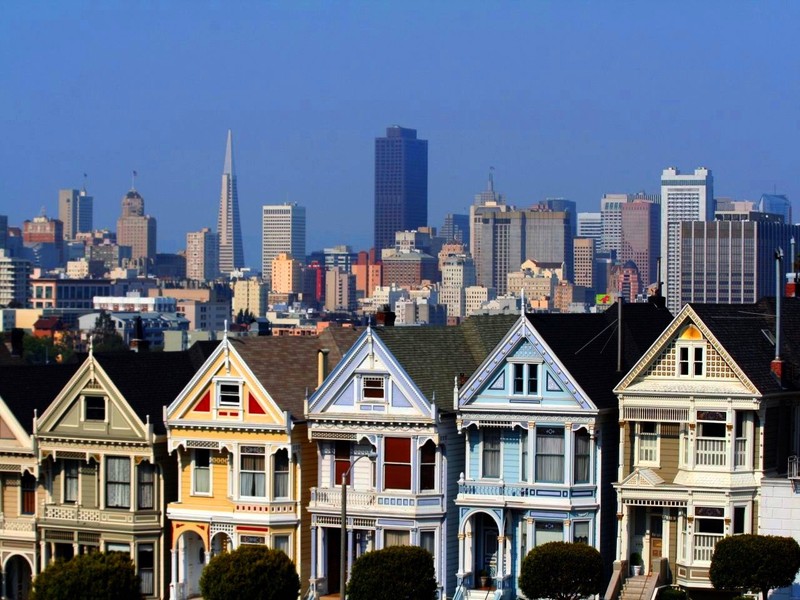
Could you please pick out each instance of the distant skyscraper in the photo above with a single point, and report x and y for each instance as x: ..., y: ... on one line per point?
x: 401, y: 184
x: 137, y: 230
x: 684, y: 197
x: 584, y: 254
x: 229, y: 230
x: 75, y: 212
x: 455, y: 227
x: 283, y: 230
x: 202, y: 255
x: 45, y: 237
x: 776, y: 204
x: 590, y: 225
x: 611, y: 217
x: 641, y: 238
x: 566, y: 206
x: 3, y: 232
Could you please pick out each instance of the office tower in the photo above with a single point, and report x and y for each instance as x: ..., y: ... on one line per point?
x: 368, y: 274
x: 776, y: 204
x: 335, y: 256
x: 731, y: 261
x: 75, y: 209
x: 286, y: 275
x: 684, y: 197
x: 283, y: 229
x: 456, y: 228
x: 229, y: 230
x: 486, y: 204
x: 137, y: 230
x: 45, y: 237
x: 489, y: 196
x: 202, y: 255
x: 641, y: 239
x: 250, y: 296
x: 410, y: 269
x: 584, y: 254
x: 15, y: 280
x: 590, y: 225
x: 509, y: 238
x: 611, y: 219
x: 401, y: 184
x: 340, y: 290
x: 562, y: 205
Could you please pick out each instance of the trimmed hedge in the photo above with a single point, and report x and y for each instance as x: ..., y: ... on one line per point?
x: 396, y: 572
x: 95, y: 576
x: 561, y: 571
x: 251, y: 573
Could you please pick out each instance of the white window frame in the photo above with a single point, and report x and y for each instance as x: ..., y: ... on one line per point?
x: 194, y: 491
x: 526, y: 367
x: 642, y: 444
x: 691, y: 347
x: 589, y: 531
x: 76, y: 463
x: 524, y: 455
x: 373, y: 378
x: 500, y: 451
x: 748, y: 518
x: 266, y: 472
x: 218, y: 403
x: 105, y: 409
x: 288, y: 538
x: 275, y: 473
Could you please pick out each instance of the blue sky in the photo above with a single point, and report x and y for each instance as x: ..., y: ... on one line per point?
x: 571, y: 99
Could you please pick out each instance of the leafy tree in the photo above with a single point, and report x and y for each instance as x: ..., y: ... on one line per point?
x: 756, y: 563
x: 252, y: 573
x: 94, y: 576
x: 45, y: 351
x: 394, y: 572
x: 105, y: 336
x: 561, y: 571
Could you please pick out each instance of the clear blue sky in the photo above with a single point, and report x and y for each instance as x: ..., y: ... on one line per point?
x: 571, y: 99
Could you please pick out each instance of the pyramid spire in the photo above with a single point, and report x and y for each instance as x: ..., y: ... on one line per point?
x: 228, y: 168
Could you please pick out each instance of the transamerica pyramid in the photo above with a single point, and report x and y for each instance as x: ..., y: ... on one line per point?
x: 231, y: 253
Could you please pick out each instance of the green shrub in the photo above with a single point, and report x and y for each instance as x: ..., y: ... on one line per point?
x: 395, y: 572
x: 672, y: 593
x: 95, y: 576
x: 756, y: 563
x: 561, y: 571
x: 250, y: 573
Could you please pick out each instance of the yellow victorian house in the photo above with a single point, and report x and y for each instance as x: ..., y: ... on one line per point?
x: 244, y: 458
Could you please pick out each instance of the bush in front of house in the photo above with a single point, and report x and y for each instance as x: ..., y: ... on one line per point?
x: 395, y: 572
x: 94, y: 576
x: 250, y: 573
x: 561, y: 571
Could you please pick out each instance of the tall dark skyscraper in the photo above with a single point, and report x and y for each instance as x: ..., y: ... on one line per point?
x: 401, y: 184
x: 231, y: 253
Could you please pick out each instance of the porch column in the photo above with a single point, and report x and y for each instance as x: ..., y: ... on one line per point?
x: 470, y: 553
x: 173, y: 584
x: 461, y: 553
x: 623, y: 537
x: 42, y: 556
x: 314, y: 533
x: 501, y: 560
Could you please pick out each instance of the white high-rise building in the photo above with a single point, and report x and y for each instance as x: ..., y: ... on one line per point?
x: 590, y: 225
x: 202, y: 254
x: 283, y: 230
x: 229, y: 229
x: 684, y: 197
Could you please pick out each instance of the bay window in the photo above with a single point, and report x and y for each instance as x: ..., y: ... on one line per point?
x: 252, y: 472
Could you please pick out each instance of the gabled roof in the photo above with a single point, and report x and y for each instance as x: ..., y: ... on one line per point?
x: 26, y: 388
x: 586, y: 344
x: 433, y: 357
x: 150, y: 380
x: 746, y: 332
x: 287, y: 365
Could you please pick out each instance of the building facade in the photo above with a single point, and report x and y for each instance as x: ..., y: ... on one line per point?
x: 202, y: 255
x: 283, y: 230
x: 75, y: 211
x: 137, y: 230
x: 641, y: 238
x: 401, y: 184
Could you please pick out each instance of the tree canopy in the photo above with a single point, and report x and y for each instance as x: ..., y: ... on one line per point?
x: 94, y: 576
x: 756, y: 563
x: 561, y: 571
x: 251, y: 572
x: 394, y: 572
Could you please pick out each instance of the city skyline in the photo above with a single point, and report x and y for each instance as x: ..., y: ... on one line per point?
x: 575, y: 114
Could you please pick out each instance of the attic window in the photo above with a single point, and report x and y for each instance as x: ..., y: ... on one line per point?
x: 94, y: 408
x: 229, y: 394
x: 373, y: 388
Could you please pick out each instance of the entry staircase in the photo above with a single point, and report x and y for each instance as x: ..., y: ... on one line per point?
x: 639, y: 587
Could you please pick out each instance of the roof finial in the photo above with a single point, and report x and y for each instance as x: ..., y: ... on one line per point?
x: 522, y: 302
x: 133, y: 180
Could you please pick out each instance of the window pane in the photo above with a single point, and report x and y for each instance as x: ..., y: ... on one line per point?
x: 281, y: 483
x: 582, y: 456
x: 523, y: 443
x: 581, y: 532
x: 396, y: 538
x: 427, y: 469
x: 118, y: 482
x: 398, y: 450
x: 738, y: 519
x: 519, y: 379
x: 281, y: 542
x: 70, y: 481
x: 342, y: 460
x: 533, y: 379
x: 145, y: 492
x: 427, y: 540
x: 491, y: 453
x: 547, y: 531
x: 202, y: 471
x: 550, y: 454
x: 397, y: 477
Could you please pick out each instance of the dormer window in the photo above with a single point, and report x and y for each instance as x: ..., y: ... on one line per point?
x: 691, y: 356
x: 94, y: 408
x: 373, y: 389
x: 229, y: 394
x: 525, y: 379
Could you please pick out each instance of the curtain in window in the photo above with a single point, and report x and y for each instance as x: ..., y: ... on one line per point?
x: 550, y: 454
x: 491, y: 453
x: 395, y: 538
x: 146, y: 562
x: 118, y: 482
x: 252, y: 476
x: 70, y: 481
x: 582, y: 455
x: 548, y: 531
x: 281, y: 474
x: 145, y: 492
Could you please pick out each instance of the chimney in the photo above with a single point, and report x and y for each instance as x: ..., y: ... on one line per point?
x: 322, y: 365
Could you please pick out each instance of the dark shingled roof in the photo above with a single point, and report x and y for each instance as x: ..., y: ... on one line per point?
x: 25, y: 388
x: 743, y: 331
x: 287, y: 365
x: 151, y: 380
x: 434, y: 356
x: 586, y: 344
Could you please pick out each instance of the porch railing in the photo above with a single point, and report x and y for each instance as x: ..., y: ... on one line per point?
x: 710, y: 452
x: 704, y: 545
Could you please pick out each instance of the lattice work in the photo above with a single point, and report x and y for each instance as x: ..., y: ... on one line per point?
x: 10, y: 468
x: 222, y: 528
x: 202, y: 444
x: 716, y: 367
x: 88, y: 537
x: 71, y: 455
x: 640, y: 413
x: 664, y: 365
x: 333, y: 435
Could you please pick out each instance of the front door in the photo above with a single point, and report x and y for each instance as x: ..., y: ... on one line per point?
x: 332, y: 564
x: 656, y: 541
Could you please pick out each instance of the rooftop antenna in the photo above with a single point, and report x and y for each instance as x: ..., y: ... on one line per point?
x: 133, y: 180
x: 85, y: 176
x: 491, y: 179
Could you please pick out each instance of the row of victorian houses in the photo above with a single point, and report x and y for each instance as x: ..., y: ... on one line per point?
x: 628, y: 430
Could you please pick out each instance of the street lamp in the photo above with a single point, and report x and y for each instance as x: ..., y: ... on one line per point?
x: 343, y: 553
